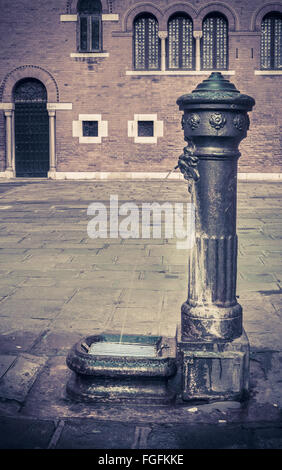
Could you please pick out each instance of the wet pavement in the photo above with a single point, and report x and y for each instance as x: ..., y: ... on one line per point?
x: 58, y: 285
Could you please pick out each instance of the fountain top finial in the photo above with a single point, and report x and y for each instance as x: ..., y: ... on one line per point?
x: 216, y: 90
x: 216, y: 82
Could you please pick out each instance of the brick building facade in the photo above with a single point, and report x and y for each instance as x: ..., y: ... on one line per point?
x: 97, y: 81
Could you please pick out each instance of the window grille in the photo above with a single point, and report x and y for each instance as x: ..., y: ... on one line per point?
x: 145, y: 128
x: 180, y: 43
x: 29, y: 90
x: 215, y: 43
x: 271, y: 42
x: 146, y: 43
x: 90, y: 25
x: 90, y: 128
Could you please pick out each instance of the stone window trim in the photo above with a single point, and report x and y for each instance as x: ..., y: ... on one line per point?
x: 69, y: 18
x: 268, y: 72
x: 196, y: 14
x: 77, y: 128
x: 178, y: 72
x: 261, y: 12
x: 133, y: 129
x: 82, y: 55
x: 73, y: 18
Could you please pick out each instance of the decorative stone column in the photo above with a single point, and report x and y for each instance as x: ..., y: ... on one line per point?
x: 9, y: 140
x: 197, y: 35
x: 163, y: 36
x: 213, y: 347
x: 52, y: 108
x: 52, y: 143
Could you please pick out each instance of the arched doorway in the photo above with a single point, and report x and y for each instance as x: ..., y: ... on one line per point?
x: 31, y: 128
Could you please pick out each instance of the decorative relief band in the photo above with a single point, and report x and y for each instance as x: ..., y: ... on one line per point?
x: 217, y: 120
x: 241, y: 122
x: 192, y: 120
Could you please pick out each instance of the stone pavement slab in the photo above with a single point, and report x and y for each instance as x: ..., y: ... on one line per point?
x: 90, y: 434
x: 19, y: 341
x: 25, y: 433
x: 18, y: 379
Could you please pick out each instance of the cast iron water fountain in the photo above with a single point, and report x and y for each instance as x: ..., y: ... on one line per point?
x: 209, y: 357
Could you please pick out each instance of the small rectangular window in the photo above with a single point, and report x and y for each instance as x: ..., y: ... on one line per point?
x: 90, y: 128
x: 145, y: 128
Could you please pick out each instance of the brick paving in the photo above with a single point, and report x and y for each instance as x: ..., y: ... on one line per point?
x: 58, y: 285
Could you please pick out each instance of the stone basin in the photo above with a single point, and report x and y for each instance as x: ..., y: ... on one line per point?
x: 132, y: 368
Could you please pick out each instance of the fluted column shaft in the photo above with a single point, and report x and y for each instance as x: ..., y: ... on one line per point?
x: 211, y: 309
x: 215, y: 121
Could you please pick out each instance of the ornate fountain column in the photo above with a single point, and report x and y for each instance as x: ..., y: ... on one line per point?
x: 213, y: 347
x: 209, y: 357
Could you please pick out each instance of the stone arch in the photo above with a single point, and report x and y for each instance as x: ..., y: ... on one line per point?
x: 230, y: 14
x: 128, y: 17
x: 261, y: 12
x: 71, y: 6
x: 179, y: 7
x: 29, y: 71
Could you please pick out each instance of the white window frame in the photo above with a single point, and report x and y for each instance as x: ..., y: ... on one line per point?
x: 133, y: 129
x: 77, y: 128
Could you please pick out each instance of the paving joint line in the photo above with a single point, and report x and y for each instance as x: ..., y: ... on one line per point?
x: 56, y: 435
x: 141, y: 437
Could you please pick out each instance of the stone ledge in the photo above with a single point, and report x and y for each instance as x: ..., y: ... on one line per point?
x: 139, y: 175
x: 82, y: 55
x: 74, y: 18
x: 177, y: 72
x: 268, y: 72
x: 142, y: 175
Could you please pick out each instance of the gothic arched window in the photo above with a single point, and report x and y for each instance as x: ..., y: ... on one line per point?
x: 90, y: 25
x: 215, y: 42
x: 180, y: 42
x: 146, y: 43
x: 271, y: 42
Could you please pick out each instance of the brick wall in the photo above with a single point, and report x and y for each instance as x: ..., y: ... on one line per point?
x: 32, y: 34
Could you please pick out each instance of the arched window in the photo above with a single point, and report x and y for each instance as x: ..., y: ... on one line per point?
x: 180, y: 42
x: 146, y: 43
x: 90, y: 25
x: 271, y: 42
x: 215, y: 42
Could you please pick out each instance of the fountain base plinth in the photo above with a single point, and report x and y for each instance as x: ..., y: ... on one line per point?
x: 213, y: 370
